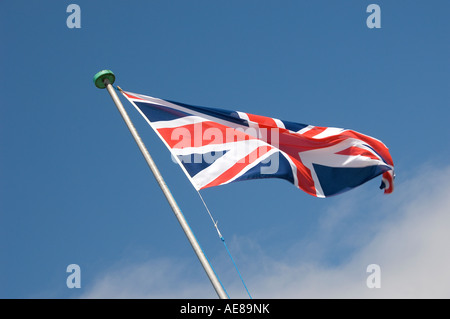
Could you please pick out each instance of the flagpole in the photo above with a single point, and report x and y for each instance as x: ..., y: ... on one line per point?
x: 105, y: 79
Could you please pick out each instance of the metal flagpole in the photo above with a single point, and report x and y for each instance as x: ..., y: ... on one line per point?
x: 105, y: 79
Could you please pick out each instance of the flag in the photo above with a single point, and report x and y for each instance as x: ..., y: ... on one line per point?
x: 216, y: 147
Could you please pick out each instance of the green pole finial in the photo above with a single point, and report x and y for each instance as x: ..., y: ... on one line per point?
x: 100, y: 77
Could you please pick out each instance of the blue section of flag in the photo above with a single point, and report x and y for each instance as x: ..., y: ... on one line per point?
x: 230, y: 116
x: 196, y: 162
x: 294, y: 127
x: 156, y: 112
x: 283, y: 171
x: 336, y: 180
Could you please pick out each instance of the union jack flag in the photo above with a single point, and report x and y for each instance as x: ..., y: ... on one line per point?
x: 216, y: 147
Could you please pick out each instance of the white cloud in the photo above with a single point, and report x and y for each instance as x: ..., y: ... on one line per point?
x: 161, y: 278
x: 409, y: 240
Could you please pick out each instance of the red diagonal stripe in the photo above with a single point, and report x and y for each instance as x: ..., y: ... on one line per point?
x: 378, y: 146
x: 355, y: 151
x: 314, y: 131
x: 132, y: 96
x: 262, y: 120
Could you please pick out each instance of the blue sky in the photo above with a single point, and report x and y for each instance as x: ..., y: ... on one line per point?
x: 74, y: 188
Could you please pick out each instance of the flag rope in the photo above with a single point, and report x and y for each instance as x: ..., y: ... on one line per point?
x: 224, y: 243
